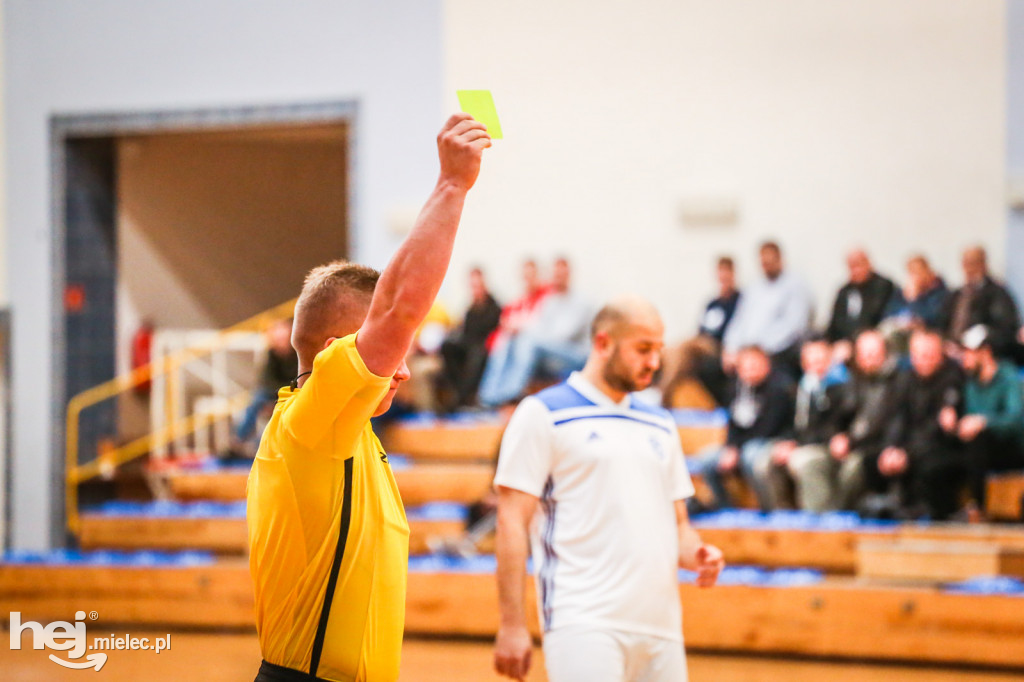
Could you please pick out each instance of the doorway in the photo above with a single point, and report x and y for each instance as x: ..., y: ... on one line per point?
x: 185, y: 220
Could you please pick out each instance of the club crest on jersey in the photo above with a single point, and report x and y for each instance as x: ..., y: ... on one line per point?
x: 657, y: 446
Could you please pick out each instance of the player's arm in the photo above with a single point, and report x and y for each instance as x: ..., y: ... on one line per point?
x: 694, y: 555
x: 513, y: 645
x: 410, y: 283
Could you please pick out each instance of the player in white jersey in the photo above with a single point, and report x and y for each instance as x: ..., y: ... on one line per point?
x: 608, y: 476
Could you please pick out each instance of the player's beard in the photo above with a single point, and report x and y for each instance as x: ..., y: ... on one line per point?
x: 618, y: 375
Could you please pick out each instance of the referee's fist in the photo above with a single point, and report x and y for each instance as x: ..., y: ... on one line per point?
x: 460, y: 145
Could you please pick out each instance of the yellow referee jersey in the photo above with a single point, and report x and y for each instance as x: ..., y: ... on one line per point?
x: 328, y: 537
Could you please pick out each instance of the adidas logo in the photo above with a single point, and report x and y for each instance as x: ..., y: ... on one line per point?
x: 593, y: 436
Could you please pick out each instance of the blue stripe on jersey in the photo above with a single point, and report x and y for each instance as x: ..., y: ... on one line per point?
x: 641, y: 406
x: 562, y: 397
x: 615, y: 416
x: 547, y: 570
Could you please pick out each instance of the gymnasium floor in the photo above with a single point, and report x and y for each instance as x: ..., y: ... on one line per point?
x: 234, y: 658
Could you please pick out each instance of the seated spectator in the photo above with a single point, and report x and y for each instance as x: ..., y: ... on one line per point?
x: 923, y: 457
x: 279, y: 369
x: 982, y: 300
x: 465, y: 349
x: 692, y: 375
x: 802, y: 464
x: 859, y: 305
x: 861, y: 417
x: 553, y: 343
x: 418, y: 394
x: 921, y: 302
x: 992, y: 428
x: 760, y: 412
x: 774, y: 313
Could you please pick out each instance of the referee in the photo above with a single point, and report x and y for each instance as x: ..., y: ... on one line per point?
x: 328, y: 537
x: 607, y: 474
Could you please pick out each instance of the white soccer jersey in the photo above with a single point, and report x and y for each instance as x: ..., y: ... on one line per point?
x: 606, y: 544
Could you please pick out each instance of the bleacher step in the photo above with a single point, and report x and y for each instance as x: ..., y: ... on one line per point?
x: 421, y: 483
x: 936, y: 561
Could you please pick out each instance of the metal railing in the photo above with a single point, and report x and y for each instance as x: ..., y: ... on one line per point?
x: 177, y: 426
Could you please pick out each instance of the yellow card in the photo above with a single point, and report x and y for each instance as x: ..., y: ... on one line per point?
x: 480, y: 105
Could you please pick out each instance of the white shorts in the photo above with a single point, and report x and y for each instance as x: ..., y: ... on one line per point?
x: 576, y: 654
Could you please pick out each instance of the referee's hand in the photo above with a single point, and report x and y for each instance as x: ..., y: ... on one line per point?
x: 460, y: 146
x: 512, y: 651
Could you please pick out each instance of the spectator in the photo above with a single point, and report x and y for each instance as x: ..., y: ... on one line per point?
x: 773, y: 313
x: 860, y: 421
x: 719, y: 311
x: 760, y: 412
x: 279, y: 370
x: 418, y: 394
x: 692, y: 373
x: 554, y: 342
x: 921, y: 302
x: 803, y: 463
x: 923, y: 457
x: 982, y: 300
x: 465, y: 349
x: 859, y: 305
x: 992, y: 428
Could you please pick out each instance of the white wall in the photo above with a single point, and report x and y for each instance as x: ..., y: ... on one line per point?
x: 67, y: 57
x: 1015, y: 143
x: 875, y: 122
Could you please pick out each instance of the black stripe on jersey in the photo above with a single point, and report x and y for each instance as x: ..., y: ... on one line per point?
x: 332, y: 581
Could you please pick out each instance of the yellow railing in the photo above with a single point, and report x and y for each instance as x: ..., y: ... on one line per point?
x: 114, y: 457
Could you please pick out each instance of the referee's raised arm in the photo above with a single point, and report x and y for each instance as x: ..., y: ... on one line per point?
x: 410, y: 283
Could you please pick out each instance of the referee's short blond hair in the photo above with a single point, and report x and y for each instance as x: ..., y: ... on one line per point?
x: 334, y: 300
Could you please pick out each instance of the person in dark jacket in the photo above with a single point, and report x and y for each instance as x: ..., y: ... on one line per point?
x: 923, y: 455
x: 802, y: 466
x: 279, y: 369
x: 760, y: 412
x: 992, y: 428
x: 922, y: 301
x: 860, y: 419
x: 719, y: 311
x: 692, y: 374
x: 860, y: 303
x: 465, y: 350
x: 982, y: 300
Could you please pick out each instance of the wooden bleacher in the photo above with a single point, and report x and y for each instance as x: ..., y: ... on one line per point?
x: 835, y: 551
x: 871, y: 613
x: 1005, y: 497
x: 837, y: 617
x: 937, y: 560
x: 225, y: 536
x: 420, y: 483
